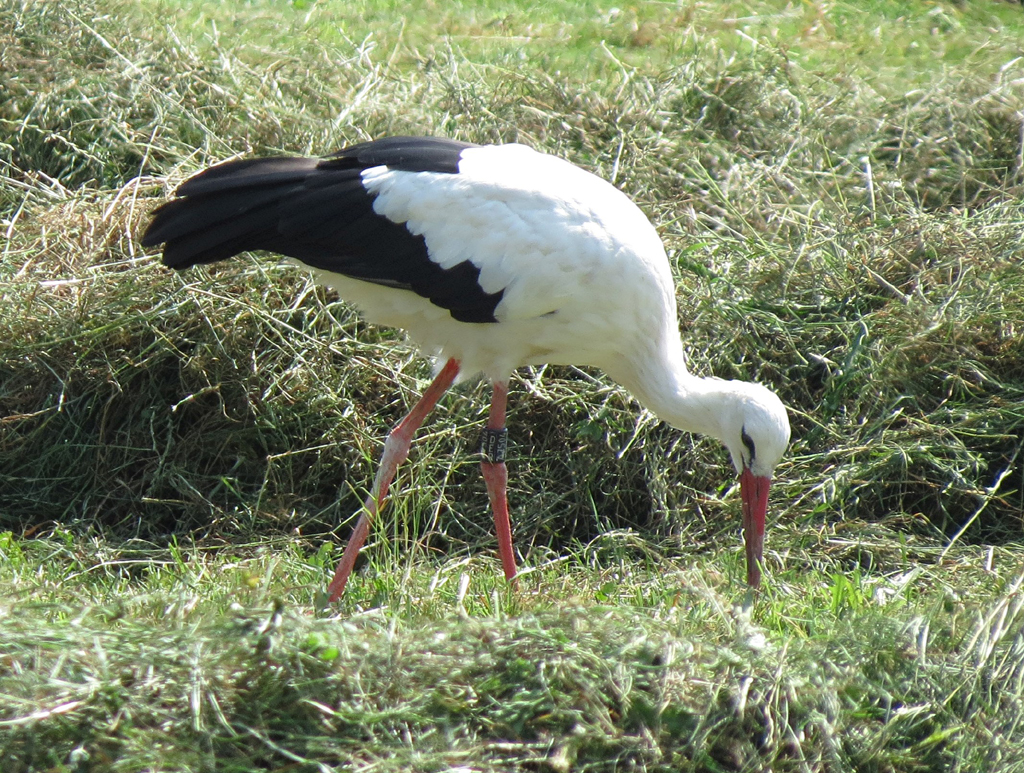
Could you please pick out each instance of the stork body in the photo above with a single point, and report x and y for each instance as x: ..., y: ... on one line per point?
x: 490, y: 257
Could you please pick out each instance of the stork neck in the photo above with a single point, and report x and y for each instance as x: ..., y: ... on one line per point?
x: 660, y: 380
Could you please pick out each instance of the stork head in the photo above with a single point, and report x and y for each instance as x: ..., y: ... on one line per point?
x: 756, y: 432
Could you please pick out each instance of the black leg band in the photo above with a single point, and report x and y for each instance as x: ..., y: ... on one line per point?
x: 494, y: 444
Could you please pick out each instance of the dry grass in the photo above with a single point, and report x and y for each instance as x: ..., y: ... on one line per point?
x: 843, y: 211
x: 779, y: 191
x: 598, y: 663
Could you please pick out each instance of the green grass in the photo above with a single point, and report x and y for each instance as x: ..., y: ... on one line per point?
x: 201, y: 660
x: 839, y: 187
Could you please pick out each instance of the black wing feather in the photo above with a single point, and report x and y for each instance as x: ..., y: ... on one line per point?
x: 409, y: 154
x: 318, y: 211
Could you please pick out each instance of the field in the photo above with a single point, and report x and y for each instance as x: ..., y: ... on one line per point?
x: 839, y: 188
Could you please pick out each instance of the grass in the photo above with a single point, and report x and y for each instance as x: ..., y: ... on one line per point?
x: 839, y: 189
x: 203, y: 661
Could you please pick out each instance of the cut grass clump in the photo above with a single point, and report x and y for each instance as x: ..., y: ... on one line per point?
x: 838, y: 186
x: 814, y: 253
x: 851, y: 244
x: 653, y: 672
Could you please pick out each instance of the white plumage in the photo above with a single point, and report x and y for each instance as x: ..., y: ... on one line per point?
x: 491, y: 258
x: 583, y: 271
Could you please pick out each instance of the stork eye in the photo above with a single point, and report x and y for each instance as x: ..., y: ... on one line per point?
x: 748, y: 442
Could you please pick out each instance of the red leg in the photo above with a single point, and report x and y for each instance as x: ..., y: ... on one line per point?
x: 496, y: 476
x: 396, y: 449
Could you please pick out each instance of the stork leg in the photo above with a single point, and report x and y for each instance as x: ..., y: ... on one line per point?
x: 396, y: 449
x: 496, y: 476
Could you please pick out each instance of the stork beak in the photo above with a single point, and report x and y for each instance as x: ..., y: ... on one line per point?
x: 754, y: 493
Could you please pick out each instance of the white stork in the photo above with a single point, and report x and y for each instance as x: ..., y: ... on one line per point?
x: 490, y: 257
